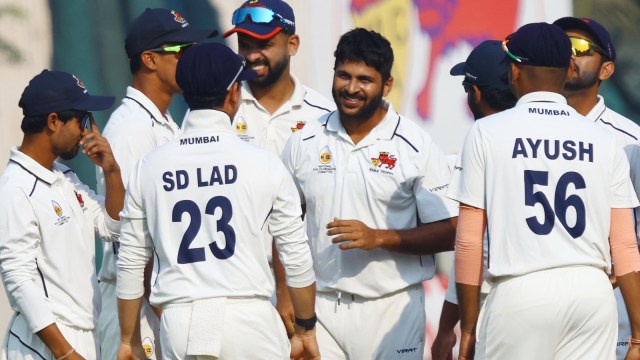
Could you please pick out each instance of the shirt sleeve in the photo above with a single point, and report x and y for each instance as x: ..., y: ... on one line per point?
x: 621, y: 194
x: 431, y: 186
x: 290, y: 155
x: 468, y: 179
x: 19, y: 244
x: 135, y: 242
x: 287, y: 228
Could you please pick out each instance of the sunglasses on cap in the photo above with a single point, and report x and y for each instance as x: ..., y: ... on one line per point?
x: 582, y: 47
x: 178, y: 50
x: 509, y: 53
x: 258, y: 15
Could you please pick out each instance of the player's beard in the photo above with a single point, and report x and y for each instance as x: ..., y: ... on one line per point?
x: 581, y: 79
x: 275, y: 71
x: 367, y: 109
x: 70, y: 154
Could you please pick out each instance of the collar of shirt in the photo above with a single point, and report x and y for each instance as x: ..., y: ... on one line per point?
x: 147, y: 104
x: 595, y: 113
x: 385, y: 130
x: 32, y: 166
x: 296, y: 99
x: 542, y: 96
x: 209, y: 120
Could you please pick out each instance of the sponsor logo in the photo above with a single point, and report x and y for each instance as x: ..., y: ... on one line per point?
x: 147, y: 344
x: 57, y: 208
x: 326, y: 162
x: 62, y: 219
x: 299, y: 126
x: 241, y: 126
x: 384, y: 159
x: 325, y: 155
x: 406, y: 351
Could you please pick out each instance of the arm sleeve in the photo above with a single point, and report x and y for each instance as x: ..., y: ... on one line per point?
x: 624, y: 249
x: 287, y: 228
x: 471, y: 225
x: 431, y: 187
x: 19, y: 244
x: 135, y: 243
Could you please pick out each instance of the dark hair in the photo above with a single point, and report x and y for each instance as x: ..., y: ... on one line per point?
x: 498, y: 99
x: 36, y: 123
x: 201, y: 102
x: 367, y: 46
x: 134, y: 64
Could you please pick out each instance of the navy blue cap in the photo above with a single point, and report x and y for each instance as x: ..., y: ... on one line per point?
x: 593, y: 28
x: 210, y: 68
x: 262, y: 30
x: 53, y: 91
x: 539, y: 44
x: 155, y: 27
x: 485, y: 66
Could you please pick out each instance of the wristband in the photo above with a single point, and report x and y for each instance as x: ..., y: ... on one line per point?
x: 67, y: 354
x: 307, y: 324
x: 631, y: 341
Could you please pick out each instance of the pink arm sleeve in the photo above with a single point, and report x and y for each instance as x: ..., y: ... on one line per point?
x: 471, y: 225
x: 622, y: 237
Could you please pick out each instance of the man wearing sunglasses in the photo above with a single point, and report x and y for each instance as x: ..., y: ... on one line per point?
x: 49, y: 220
x: 275, y: 104
x: 594, y: 62
x: 156, y: 40
x: 554, y: 193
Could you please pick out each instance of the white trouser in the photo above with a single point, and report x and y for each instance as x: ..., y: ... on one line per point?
x: 389, y: 327
x: 20, y: 343
x: 108, y: 329
x: 251, y: 329
x: 556, y: 314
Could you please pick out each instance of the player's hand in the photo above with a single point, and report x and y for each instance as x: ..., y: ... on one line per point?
x: 354, y: 234
x: 131, y: 352
x: 97, y: 148
x: 633, y: 353
x: 442, y: 348
x: 310, y: 349
x: 284, y: 306
x: 467, y: 346
x: 75, y: 356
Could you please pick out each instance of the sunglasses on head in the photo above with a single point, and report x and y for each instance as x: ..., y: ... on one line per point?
x: 582, y: 47
x: 258, y: 15
x: 178, y: 50
x: 509, y: 53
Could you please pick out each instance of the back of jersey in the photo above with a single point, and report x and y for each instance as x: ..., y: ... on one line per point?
x: 209, y: 199
x: 547, y: 178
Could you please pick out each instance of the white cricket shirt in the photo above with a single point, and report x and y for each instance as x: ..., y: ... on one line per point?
x: 48, y: 224
x: 627, y: 134
x: 254, y: 124
x: 548, y: 178
x: 134, y: 128
x: 394, y: 178
x: 201, y: 203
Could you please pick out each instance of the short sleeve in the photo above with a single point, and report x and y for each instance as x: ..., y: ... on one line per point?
x: 468, y: 179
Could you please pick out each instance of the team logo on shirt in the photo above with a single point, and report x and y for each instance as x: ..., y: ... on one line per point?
x: 384, y: 159
x: 62, y: 219
x: 326, y: 162
x: 299, y: 126
x: 147, y: 344
x: 80, y: 200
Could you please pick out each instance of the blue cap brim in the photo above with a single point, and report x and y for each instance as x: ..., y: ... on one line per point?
x: 458, y: 69
x: 247, y: 74
x: 258, y: 31
x: 95, y: 103
x: 188, y: 35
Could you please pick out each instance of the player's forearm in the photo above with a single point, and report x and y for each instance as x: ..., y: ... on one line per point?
x: 630, y: 287
x: 449, y: 317
x: 304, y: 300
x: 429, y: 238
x: 129, y: 318
x: 114, y: 193
x: 54, y: 340
x: 469, y: 297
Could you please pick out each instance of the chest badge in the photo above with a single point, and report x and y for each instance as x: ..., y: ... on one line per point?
x: 299, y: 126
x: 384, y: 159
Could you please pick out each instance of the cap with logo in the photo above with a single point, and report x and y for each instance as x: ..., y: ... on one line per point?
x: 155, y: 27
x: 538, y: 44
x: 53, y: 91
x: 263, y: 19
x: 593, y: 28
x: 485, y: 66
x: 209, y: 69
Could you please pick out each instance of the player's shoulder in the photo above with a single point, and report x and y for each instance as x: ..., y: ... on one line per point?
x: 411, y: 134
x: 620, y: 125
x: 313, y: 129
x: 127, y: 121
x: 315, y: 100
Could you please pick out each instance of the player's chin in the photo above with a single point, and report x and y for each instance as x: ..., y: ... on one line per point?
x: 68, y: 155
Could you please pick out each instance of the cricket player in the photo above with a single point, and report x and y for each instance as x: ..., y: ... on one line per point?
x: 373, y: 185
x: 553, y: 192
x: 594, y: 63
x: 199, y: 205
x: 49, y: 220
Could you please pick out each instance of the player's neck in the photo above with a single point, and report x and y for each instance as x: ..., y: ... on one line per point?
x: 582, y: 100
x: 358, y: 129
x: 156, y: 92
x: 33, y: 146
x: 276, y: 94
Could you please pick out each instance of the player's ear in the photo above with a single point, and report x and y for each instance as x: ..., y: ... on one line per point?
x: 53, y: 122
x: 476, y: 94
x: 293, y: 43
x: 606, y: 70
x: 147, y: 58
x: 388, y: 85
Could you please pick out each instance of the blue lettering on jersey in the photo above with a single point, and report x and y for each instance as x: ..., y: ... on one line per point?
x: 179, y: 182
x: 199, y: 140
x: 552, y: 149
x: 218, y: 175
x: 552, y: 112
